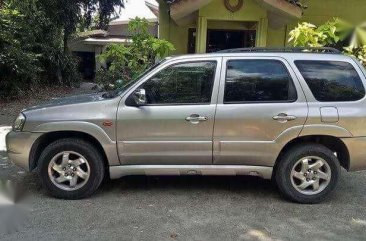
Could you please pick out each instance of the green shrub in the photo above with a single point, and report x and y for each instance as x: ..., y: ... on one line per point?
x: 126, y: 62
x: 31, y: 52
x: 335, y: 33
x: 19, y: 66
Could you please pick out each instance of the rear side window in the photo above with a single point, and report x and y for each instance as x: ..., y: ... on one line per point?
x: 332, y: 80
x: 258, y: 81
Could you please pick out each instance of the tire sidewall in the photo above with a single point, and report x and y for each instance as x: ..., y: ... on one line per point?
x: 88, y: 152
x: 284, y: 173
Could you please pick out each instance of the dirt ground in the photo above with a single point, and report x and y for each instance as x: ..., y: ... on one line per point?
x: 9, y: 109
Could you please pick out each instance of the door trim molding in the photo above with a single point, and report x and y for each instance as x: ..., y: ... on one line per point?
x: 178, y: 170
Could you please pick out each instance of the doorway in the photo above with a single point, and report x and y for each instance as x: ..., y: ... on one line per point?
x: 222, y: 39
x: 86, y: 64
x: 229, y: 39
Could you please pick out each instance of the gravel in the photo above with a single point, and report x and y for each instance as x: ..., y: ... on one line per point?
x: 189, y: 208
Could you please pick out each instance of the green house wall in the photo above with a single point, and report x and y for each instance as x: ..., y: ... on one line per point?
x: 216, y: 16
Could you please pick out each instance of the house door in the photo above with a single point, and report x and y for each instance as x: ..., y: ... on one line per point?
x: 229, y: 39
x: 222, y: 39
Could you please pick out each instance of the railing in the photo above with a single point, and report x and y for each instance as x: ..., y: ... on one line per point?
x: 326, y: 50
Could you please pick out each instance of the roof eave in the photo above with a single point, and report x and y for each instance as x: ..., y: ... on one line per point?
x: 280, y: 11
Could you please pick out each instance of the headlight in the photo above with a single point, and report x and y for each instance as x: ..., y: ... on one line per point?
x: 19, y: 122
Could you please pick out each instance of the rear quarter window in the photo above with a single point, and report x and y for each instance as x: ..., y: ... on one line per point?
x: 332, y: 81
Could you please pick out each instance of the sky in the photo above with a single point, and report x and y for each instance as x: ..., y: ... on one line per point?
x: 136, y: 8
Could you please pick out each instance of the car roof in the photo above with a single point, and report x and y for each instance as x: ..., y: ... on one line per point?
x: 284, y: 55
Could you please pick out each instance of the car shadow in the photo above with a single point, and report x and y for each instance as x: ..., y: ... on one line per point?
x: 245, y: 184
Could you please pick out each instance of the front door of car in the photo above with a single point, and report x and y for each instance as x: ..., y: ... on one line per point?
x: 260, y: 108
x: 175, y: 126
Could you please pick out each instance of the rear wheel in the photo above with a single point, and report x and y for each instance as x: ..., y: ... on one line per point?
x: 307, y: 173
x: 71, y: 168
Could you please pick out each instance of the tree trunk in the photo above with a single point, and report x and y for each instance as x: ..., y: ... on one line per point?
x: 66, y: 48
x: 65, y: 40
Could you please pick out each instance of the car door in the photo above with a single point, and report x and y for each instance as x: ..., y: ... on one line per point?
x: 176, y: 124
x: 261, y: 107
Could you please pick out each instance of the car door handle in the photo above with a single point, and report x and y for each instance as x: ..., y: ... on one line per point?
x: 194, y: 118
x: 283, y: 117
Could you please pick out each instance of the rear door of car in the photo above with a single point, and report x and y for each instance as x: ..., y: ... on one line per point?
x: 261, y: 106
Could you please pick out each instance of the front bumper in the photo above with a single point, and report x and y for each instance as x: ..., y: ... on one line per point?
x: 19, y: 145
x: 357, y: 152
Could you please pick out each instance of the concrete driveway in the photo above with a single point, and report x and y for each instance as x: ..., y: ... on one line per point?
x: 3, y: 131
x: 189, y: 208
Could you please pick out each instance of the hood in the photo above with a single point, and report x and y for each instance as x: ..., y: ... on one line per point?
x: 70, y: 100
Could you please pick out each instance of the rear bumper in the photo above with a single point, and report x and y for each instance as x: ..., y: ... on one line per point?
x: 19, y: 145
x: 357, y: 151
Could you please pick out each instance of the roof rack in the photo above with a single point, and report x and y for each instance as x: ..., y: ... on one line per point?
x: 325, y: 50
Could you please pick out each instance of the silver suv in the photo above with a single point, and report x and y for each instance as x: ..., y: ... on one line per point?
x: 295, y: 116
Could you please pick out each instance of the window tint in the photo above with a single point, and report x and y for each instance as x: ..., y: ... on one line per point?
x: 332, y: 80
x: 258, y: 81
x: 186, y: 83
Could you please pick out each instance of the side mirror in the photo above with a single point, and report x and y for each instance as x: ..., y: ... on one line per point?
x: 139, y: 97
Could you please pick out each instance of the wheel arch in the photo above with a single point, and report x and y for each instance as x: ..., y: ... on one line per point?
x: 335, y: 144
x: 44, y: 140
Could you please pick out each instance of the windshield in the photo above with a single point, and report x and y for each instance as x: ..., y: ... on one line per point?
x: 119, y: 91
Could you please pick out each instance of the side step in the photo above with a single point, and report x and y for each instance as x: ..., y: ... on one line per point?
x: 176, y: 170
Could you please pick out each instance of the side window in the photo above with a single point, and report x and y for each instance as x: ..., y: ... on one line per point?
x: 332, y: 80
x: 185, y: 83
x: 258, y: 81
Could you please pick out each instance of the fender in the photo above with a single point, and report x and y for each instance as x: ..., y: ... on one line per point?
x: 327, y: 130
x: 109, y: 145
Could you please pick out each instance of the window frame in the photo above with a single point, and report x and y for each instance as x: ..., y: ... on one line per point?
x: 173, y: 62
x: 351, y: 63
x: 280, y: 60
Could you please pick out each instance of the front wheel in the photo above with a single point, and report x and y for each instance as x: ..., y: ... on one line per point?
x: 307, y: 173
x: 71, y: 168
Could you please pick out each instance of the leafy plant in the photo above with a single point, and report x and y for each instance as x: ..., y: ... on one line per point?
x: 129, y: 61
x: 358, y: 36
x: 335, y: 33
x: 359, y: 53
x: 307, y: 35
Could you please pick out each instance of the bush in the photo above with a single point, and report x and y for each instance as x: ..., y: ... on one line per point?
x: 359, y: 53
x: 31, y: 52
x: 335, y: 33
x: 128, y: 62
x: 19, y: 66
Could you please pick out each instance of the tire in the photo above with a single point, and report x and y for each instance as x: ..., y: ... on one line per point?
x: 71, y: 159
x: 291, y: 177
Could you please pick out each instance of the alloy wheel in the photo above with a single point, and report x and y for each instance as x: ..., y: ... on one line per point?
x: 310, y: 175
x: 69, y: 170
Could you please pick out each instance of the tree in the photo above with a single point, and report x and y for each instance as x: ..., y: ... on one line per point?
x: 68, y: 14
x: 19, y: 65
x: 33, y: 40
